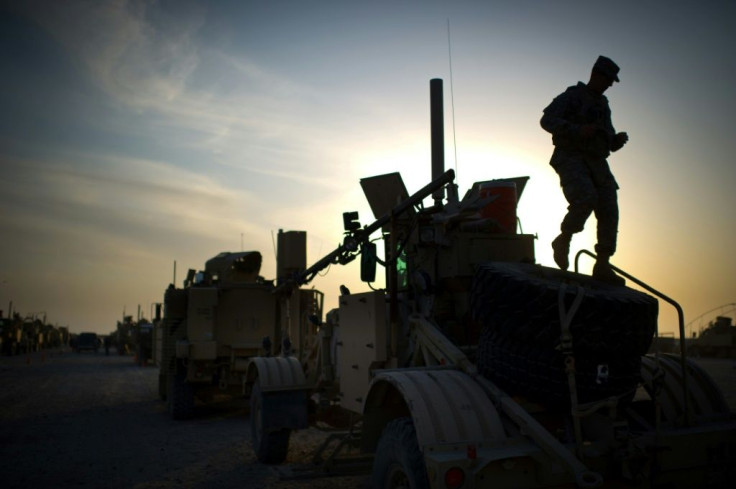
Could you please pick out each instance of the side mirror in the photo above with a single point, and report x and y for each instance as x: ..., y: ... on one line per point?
x: 368, y: 262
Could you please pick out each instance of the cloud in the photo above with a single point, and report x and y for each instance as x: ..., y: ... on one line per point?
x: 136, y: 52
x: 148, y: 61
x: 233, y: 112
x: 131, y: 200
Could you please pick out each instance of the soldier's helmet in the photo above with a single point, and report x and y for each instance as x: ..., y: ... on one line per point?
x: 606, y: 67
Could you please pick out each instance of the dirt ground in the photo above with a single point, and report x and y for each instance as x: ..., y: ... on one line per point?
x: 88, y: 420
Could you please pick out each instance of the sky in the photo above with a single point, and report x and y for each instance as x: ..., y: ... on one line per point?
x: 137, y: 137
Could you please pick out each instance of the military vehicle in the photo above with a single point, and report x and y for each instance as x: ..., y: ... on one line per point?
x: 226, y: 314
x: 31, y: 337
x: 144, y: 336
x: 125, y: 336
x: 153, y: 342
x: 53, y: 336
x: 11, y: 332
x: 18, y: 335
x: 717, y: 340
x: 87, y: 342
x: 476, y: 367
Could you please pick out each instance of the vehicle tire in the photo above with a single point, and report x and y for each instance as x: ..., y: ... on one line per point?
x: 521, y: 301
x: 180, y: 396
x: 399, y: 463
x: 538, y: 372
x: 270, y: 444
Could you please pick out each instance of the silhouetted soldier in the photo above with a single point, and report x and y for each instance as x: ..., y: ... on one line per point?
x: 579, y: 120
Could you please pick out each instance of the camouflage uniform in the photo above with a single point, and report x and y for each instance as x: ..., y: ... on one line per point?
x: 585, y: 178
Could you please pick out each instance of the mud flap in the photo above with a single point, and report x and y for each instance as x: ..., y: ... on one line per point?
x: 282, y: 387
x: 285, y: 409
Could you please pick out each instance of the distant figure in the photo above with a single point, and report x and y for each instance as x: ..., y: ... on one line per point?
x: 579, y: 120
x: 107, y: 344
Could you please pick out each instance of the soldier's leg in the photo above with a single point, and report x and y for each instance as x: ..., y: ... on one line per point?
x: 581, y: 196
x: 606, y: 213
x: 580, y: 193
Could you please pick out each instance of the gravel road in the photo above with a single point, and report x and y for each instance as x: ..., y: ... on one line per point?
x: 87, y: 420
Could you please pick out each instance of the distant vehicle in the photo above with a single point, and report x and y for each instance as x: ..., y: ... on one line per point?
x: 225, y: 315
x: 88, y: 342
x: 144, y: 342
x: 717, y: 340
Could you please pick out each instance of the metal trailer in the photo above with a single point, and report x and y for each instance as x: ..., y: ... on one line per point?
x: 477, y: 368
x: 225, y: 315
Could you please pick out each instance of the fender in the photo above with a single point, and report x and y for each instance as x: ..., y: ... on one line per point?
x: 446, y: 405
x: 276, y: 373
x: 282, y: 389
x: 663, y: 378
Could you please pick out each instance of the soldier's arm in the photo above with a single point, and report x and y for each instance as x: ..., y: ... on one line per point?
x: 555, y: 119
x: 617, y: 140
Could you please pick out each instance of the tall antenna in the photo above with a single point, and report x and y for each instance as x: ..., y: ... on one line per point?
x: 452, y: 94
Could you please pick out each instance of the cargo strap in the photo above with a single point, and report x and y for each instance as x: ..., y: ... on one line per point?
x: 566, y: 316
x: 566, y: 348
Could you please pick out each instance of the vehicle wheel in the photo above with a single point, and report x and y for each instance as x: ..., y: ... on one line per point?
x: 521, y: 301
x: 399, y: 463
x: 180, y: 396
x: 270, y: 444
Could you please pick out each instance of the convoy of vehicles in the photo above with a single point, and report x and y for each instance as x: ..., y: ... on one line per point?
x: 23, y: 335
x: 474, y: 367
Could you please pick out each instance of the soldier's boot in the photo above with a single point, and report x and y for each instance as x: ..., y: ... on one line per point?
x: 561, y: 250
x: 603, y: 272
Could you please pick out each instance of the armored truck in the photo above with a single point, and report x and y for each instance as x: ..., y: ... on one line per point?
x: 226, y: 314
x: 125, y: 335
x: 144, y: 337
x: 11, y: 333
x: 475, y: 367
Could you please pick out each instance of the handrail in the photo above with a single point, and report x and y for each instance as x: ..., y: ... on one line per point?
x: 681, y: 320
